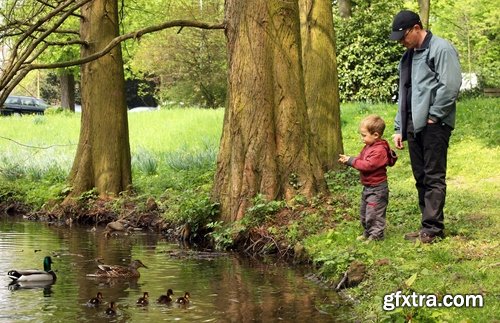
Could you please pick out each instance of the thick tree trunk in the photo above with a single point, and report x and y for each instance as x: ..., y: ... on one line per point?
x: 67, y: 81
x: 103, y: 155
x: 266, y: 142
x: 321, y: 81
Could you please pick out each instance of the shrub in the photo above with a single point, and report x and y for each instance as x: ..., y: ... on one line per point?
x: 367, y: 60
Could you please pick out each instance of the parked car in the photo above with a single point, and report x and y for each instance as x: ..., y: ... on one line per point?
x: 23, y: 105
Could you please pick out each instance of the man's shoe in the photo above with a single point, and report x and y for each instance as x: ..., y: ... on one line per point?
x: 412, y: 236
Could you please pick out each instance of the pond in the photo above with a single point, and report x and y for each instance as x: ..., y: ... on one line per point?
x: 223, y: 287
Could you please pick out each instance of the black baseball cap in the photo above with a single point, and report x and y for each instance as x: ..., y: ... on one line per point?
x: 405, y: 19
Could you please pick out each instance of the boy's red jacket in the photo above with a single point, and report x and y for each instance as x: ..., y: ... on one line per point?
x: 372, y: 162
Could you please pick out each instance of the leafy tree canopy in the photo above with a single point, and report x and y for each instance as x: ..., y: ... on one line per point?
x: 472, y: 26
x: 188, y: 64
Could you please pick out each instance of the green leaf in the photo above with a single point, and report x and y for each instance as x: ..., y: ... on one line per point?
x: 411, y: 280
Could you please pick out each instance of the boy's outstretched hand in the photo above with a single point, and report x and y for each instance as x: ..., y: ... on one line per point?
x: 343, y: 158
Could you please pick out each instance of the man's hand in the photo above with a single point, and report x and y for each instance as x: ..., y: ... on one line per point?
x: 398, y: 141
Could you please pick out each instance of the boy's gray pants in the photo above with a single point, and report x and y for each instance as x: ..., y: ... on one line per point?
x: 374, y: 201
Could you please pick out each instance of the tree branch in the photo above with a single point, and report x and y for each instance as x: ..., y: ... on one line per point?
x: 133, y: 35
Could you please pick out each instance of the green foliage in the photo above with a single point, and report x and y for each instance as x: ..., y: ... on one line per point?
x: 192, y: 206
x: 190, y: 62
x: 185, y: 159
x: 334, y: 261
x: 367, y: 60
x: 464, y: 262
x: 260, y: 209
x: 341, y: 180
x: 472, y: 26
x: 11, y: 170
x: 223, y: 234
x: 145, y: 162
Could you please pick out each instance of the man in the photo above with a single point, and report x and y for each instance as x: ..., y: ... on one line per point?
x: 430, y: 79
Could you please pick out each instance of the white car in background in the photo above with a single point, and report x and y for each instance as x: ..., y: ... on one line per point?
x: 144, y: 109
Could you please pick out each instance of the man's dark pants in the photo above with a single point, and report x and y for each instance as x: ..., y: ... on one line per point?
x: 428, y: 154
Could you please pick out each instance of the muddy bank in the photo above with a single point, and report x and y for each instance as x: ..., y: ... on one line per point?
x: 120, y: 217
x: 126, y: 215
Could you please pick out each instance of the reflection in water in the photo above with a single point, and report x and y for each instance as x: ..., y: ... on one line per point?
x: 223, y: 288
x: 45, y: 286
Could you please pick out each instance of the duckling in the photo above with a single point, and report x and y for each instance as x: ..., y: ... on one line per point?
x: 115, y: 271
x: 184, y: 299
x: 165, y: 299
x: 111, y: 310
x: 143, y: 301
x: 96, y: 300
x: 34, y: 275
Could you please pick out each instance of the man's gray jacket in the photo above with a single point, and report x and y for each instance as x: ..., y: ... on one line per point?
x: 435, y: 82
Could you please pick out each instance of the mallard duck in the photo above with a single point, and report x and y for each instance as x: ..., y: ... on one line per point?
x: 96, y: 300
x: 143, y: 301
x: 34, y: 275
x: 166, y: 299
x: 184, y: 299
x: 115, y: 271
x: 111, y: 310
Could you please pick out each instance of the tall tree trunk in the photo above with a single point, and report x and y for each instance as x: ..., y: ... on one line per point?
x: 103, y: 155
x: 67, y: 81
x: 345, y: 8
x: 425, y: 8
x: 321, y: 81
x: 266, y: 142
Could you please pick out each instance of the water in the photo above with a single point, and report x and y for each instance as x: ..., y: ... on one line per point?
x: 225, y: 288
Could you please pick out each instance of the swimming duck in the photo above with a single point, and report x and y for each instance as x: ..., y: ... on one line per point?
x: 34, y: 275
x: 143, y: 301
x: 96, y: 300
x: 184, y: 299
x: 115, y: 271
x: 166, y: 299
x: 111, y: 310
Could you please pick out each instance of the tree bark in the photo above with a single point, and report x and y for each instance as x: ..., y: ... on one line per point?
x: 425, y: 8
x: 266, y: 146
x: 321, y: 80
x: 103, y: 155
x: 345, y: 8
x: 67, y: 81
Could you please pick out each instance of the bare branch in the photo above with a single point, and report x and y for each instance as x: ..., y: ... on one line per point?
x: 51, y: 6
x: 68, y: 42
x: 18, y: 59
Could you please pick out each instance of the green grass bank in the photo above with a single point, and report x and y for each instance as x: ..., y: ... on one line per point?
x: 173, y: 159
x: 465, y: 262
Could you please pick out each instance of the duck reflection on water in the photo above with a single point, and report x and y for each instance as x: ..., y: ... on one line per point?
x: 46, y: 286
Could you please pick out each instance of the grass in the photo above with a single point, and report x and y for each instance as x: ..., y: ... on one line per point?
x: 465, y: 262
x: 173, y: 156
x: 36, y: 152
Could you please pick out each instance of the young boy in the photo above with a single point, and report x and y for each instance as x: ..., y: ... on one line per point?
x: 372, y: 161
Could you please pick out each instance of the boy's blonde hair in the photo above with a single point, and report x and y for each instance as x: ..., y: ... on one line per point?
x: 374, y: 123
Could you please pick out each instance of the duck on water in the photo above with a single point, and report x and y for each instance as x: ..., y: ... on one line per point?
x: 34, y: 275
